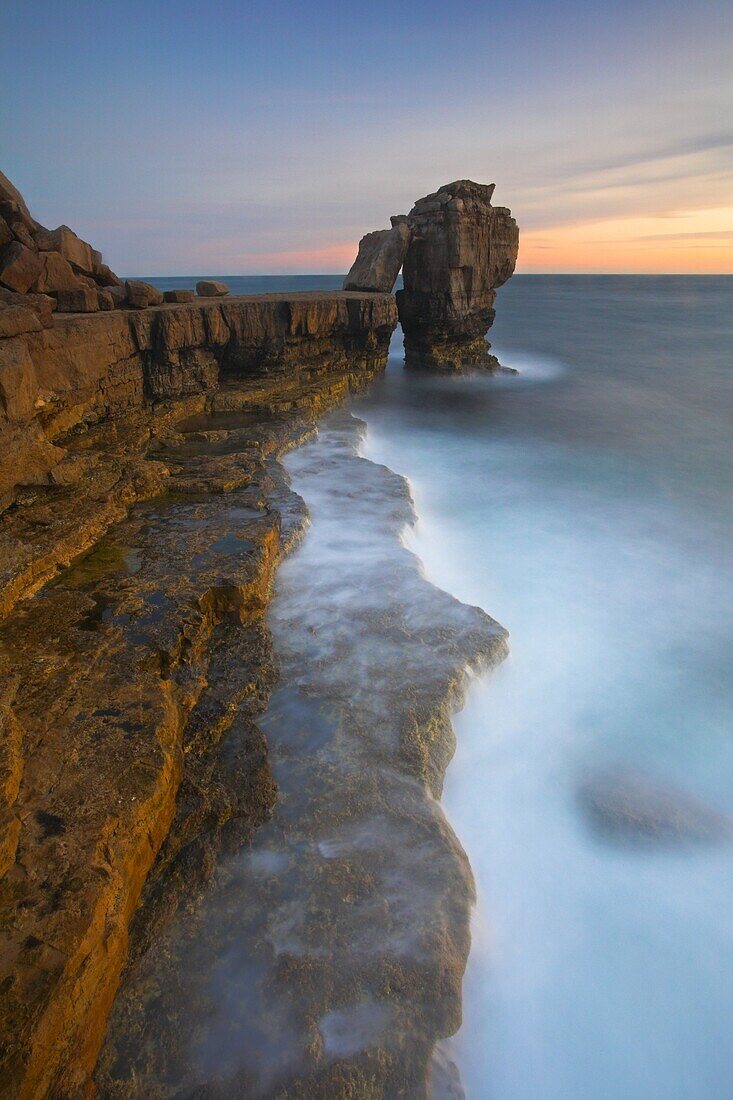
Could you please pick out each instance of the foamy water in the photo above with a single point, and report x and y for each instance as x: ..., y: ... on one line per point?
x: 586, y: 504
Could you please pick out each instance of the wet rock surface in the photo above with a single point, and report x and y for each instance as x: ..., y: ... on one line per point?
x: 325, y: 958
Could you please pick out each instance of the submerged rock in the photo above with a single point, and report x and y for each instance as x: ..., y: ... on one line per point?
x: 462, y: 249
x: 380, y: 258
x: 629, y: 808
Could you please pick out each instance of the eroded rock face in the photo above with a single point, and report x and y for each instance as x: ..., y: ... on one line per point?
x: 120, y: 680
x: 462, y: 249
x: 381, y: 255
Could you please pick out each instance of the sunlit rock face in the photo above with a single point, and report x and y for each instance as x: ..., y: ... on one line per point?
x: 381, y: 255
x: 462, y: 249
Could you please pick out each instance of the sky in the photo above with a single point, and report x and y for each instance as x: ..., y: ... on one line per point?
x: 238, y: 138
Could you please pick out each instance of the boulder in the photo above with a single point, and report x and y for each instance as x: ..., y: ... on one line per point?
x: 9, y: 193
x: 179, y: 296
x: 56, y: 274
x: 380, y: 258
x: 105, y: 299
x: 462, y: 249
x: 209, y: 288
x: 72, y: 248
x: 41, y: 304
x: 15, y: 320
x: 140, y: 295
x: 105, y: 276
x: 19, y: 267
x: 6, y: 234
x: 81, y: 300
x: 20, y: 226
x: 118, y: 294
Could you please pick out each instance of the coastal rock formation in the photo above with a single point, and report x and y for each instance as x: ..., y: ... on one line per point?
x: 462, y: 249
x: 53, y: 262
x: 381, y: 255
x: 143, y: 514
x: 121, y: 677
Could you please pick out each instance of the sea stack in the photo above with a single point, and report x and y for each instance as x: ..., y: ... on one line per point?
x: 462, y: 248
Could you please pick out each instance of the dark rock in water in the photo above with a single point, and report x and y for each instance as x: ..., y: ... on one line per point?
x: 628, y: 808
x: 210, y: 288
x: 380, y: 258
x: 462, y: 249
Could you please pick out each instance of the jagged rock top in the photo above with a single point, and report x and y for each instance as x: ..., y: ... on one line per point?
x: 51, y: 264
x: 460, y: 196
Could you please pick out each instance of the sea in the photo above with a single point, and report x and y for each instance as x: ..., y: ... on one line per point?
x: 583, y: 496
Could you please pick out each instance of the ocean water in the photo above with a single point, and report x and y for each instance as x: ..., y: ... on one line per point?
x: 585, y: 503
x: 250, y: 284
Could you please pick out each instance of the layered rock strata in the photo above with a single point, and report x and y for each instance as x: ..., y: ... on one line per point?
x: 454, y: 249
x: 85, y: 369
x: 462, y: 249
x: 138, y: 543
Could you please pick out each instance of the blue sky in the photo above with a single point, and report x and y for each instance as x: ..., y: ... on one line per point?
x: 228, y: 138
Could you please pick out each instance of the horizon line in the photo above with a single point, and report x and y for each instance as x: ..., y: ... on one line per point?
x: 518, y: 274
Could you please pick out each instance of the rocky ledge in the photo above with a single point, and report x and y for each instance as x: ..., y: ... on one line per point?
x: 143, y: 518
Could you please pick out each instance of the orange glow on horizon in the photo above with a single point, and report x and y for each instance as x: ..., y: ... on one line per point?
x: 698, y: 242
x: 329, y: 259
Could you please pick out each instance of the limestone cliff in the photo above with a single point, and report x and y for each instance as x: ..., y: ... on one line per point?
x: 114, y: 693
x: 462, y: 249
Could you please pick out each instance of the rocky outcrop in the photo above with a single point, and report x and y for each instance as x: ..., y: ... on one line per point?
x: 51, y: 262
x: 381, y: 255
x: 462, y: 249
x: 85, y: 369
